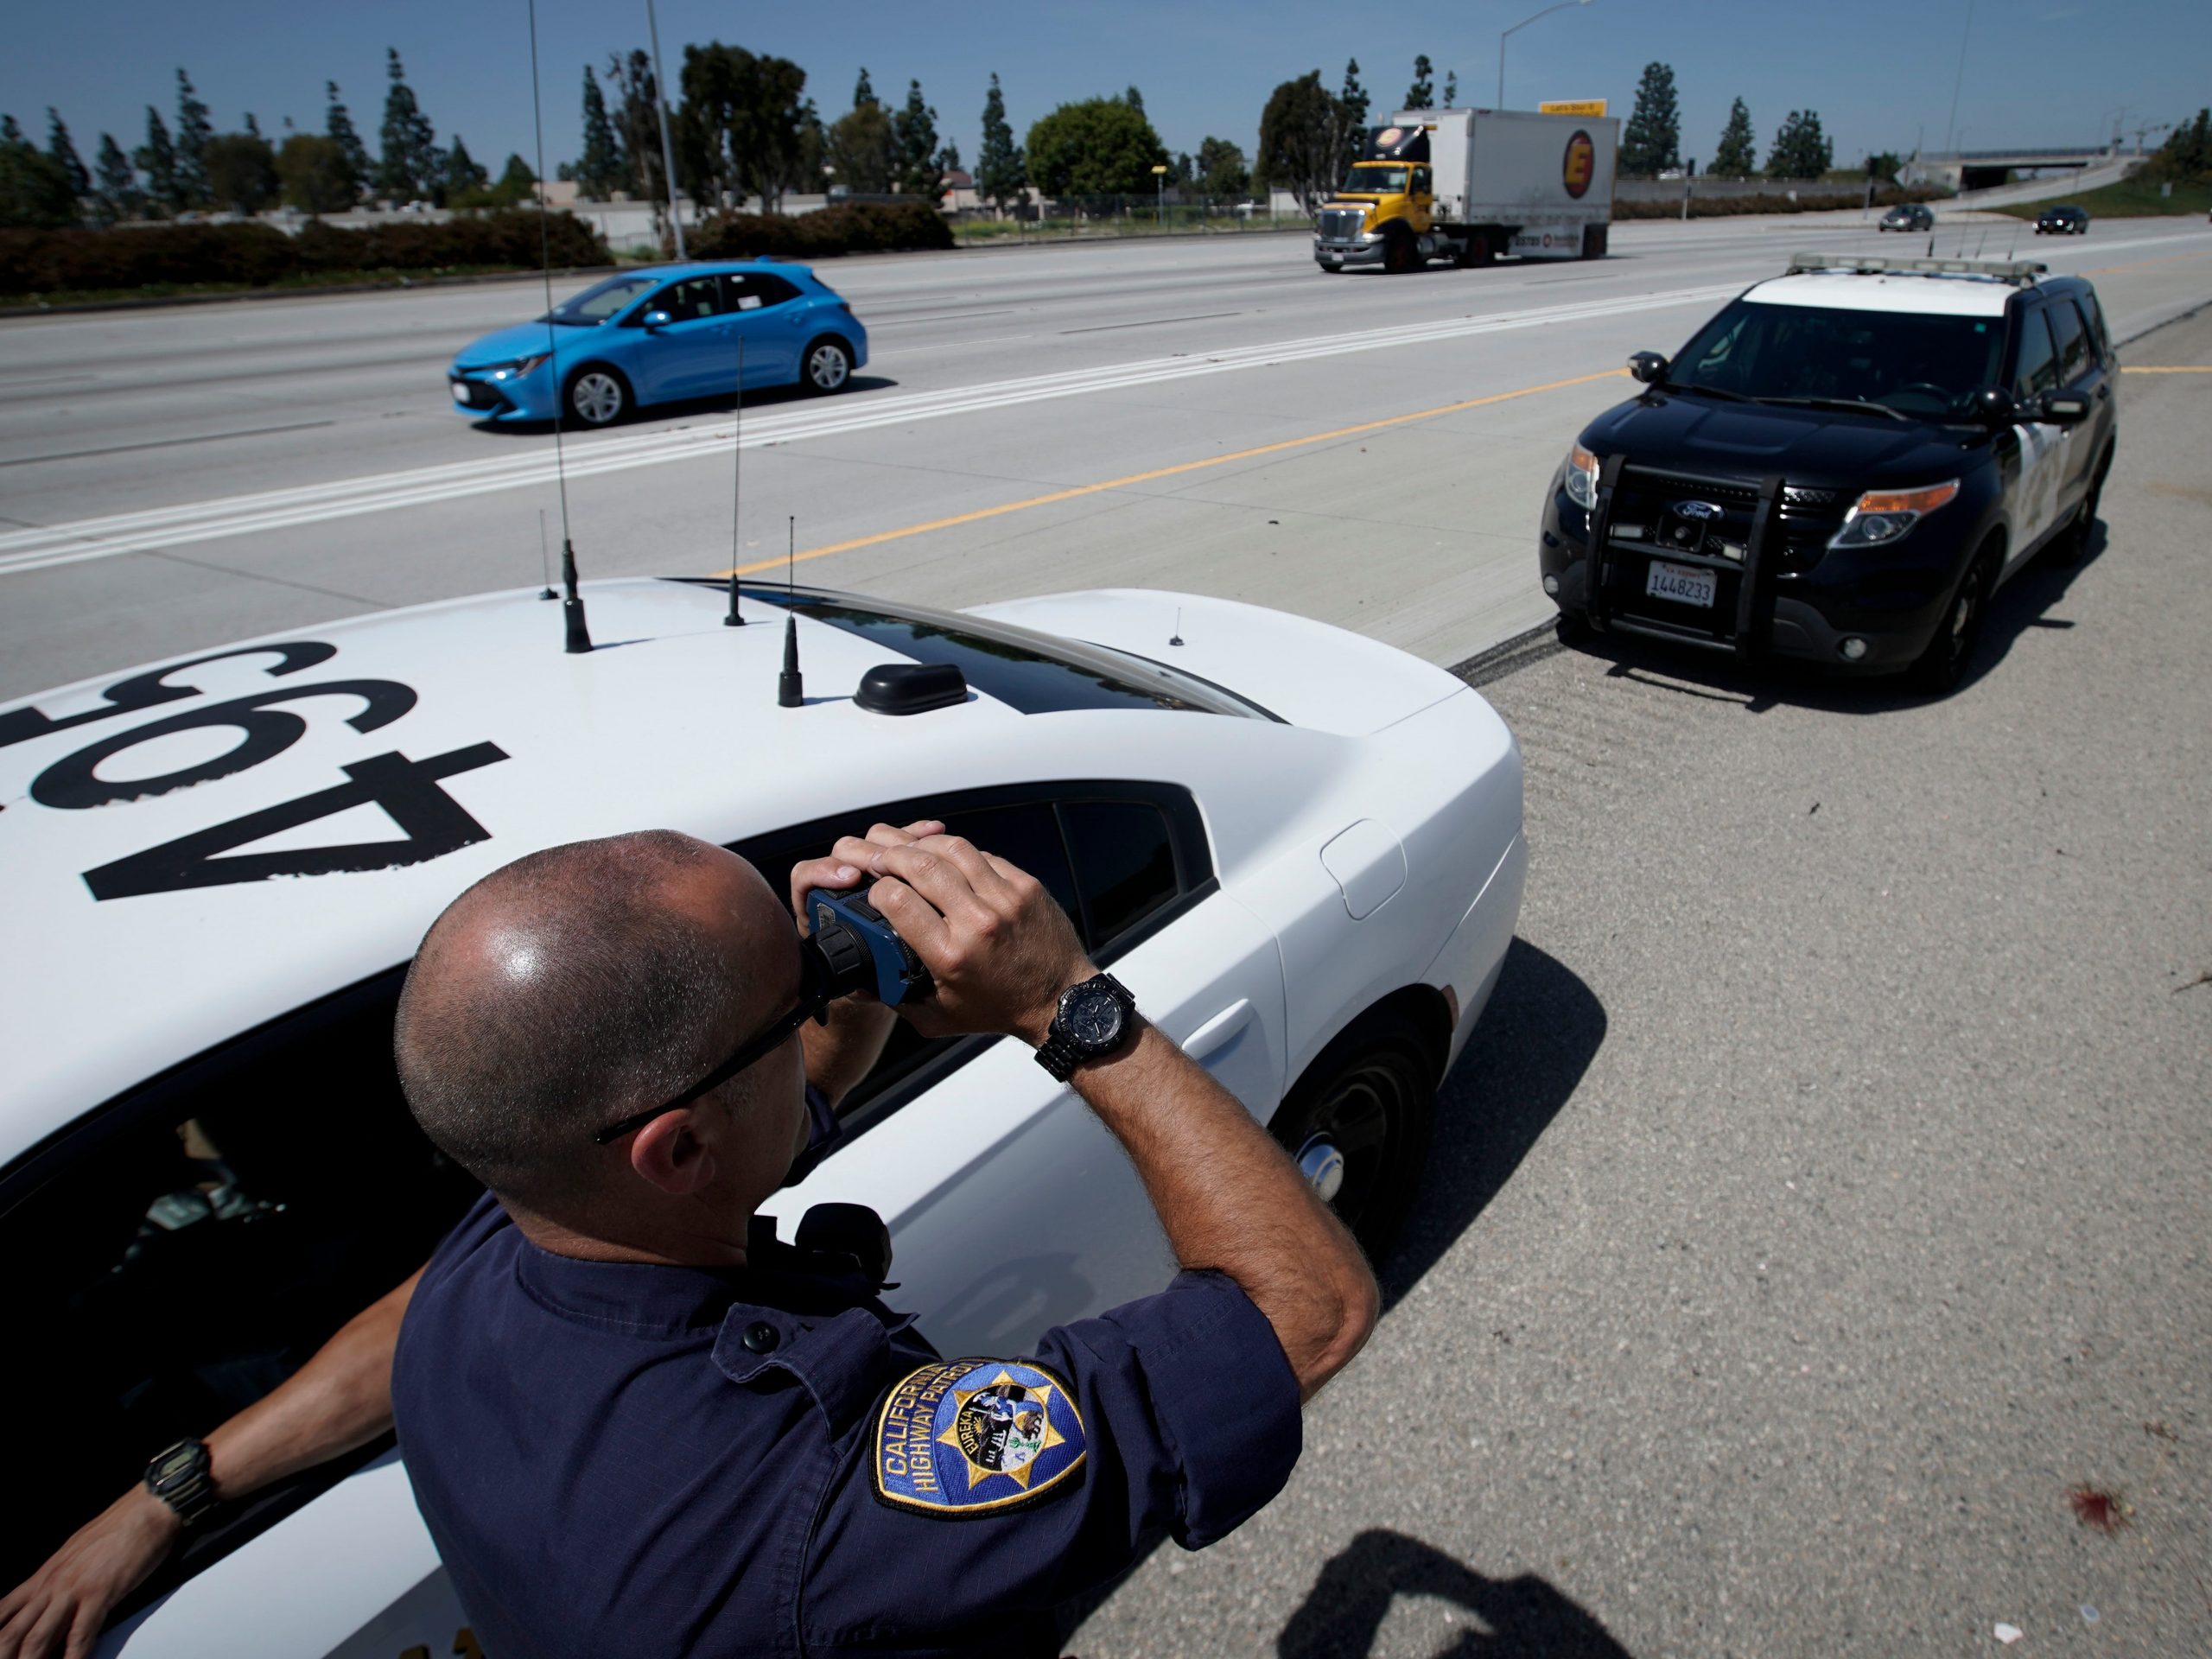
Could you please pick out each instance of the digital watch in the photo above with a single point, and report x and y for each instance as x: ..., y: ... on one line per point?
x: 184, y: 1478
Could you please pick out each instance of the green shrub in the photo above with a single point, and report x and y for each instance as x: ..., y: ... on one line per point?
x: 844, y: 228
x: 39, y: 262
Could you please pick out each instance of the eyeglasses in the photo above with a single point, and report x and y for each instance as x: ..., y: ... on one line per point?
x: 815, y: 992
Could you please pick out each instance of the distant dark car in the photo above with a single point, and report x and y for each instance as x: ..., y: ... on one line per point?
x: 1908, y: 216
x: 2062, y: 221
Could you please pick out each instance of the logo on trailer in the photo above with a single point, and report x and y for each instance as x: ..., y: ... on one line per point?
x: 1579, y: 165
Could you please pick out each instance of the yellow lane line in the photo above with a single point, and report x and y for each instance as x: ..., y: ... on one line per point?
x: 1181, y: 467
x: 2179, y: 368
x: 2138, y: 264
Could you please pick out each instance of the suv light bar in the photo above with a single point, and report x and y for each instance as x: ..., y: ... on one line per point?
x: 2020, y: 272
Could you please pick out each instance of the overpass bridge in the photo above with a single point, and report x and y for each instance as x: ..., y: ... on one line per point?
x: 1983, y: 169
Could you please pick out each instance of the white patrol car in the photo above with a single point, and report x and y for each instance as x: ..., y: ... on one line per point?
x: 1301, y: 849
x: 1843, y: 466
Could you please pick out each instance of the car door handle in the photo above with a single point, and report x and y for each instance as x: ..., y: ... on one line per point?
x: 1214, y: 1036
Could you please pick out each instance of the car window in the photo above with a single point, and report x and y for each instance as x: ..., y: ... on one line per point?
x: 1917, y: 364
x: 692, y: 299
x: 1124, y: 863
x: 600, y: 301
x: 2037, y: 371
x: 1421, y: 181
x: 190, y: 1246
x: 2099, y: 334
x: 2073, y: 340
x: 752, y: 291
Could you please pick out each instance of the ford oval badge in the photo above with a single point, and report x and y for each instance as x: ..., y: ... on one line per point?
x: 1699, y: 510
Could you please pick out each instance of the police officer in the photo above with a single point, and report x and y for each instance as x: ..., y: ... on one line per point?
x: 638, y: 1422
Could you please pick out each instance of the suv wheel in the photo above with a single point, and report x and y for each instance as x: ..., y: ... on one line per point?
x: 2067, y: 547
x: 1944, y: 664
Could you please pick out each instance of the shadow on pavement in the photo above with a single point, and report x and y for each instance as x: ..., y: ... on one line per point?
x: 1536, y: 1038
x: 1522, y: 1619
x: 761, y: 397
x: 2022, y: 603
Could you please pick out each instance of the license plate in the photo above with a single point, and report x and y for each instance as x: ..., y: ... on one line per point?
x: 1685, y: 584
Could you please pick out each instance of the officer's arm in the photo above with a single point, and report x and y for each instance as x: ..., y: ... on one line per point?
x: 338, y: 1401
x: 1229, y: 1198
x: 840, y: 1053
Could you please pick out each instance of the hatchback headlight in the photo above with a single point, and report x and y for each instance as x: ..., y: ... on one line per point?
x: 519, y: 367
x: 1883, y: 515
x: 1581, y: 478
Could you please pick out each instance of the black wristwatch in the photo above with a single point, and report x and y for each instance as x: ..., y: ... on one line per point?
x: 183, y: 1478
x: 1095, y: 1018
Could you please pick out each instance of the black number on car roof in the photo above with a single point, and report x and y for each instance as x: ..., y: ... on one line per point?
x: 150, y: 689
x: 435, y: 825
x: 71, y: 783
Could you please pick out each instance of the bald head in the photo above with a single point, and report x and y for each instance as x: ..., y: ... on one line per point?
x: 574, y: 987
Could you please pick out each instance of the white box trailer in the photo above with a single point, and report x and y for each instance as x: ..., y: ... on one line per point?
x: 1469, y: 185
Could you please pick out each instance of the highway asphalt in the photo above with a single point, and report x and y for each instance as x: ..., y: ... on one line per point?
x: 1117, y: 389
x: 1827, y: 1192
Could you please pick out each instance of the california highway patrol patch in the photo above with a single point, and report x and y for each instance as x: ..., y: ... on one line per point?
x: 970, y: 1436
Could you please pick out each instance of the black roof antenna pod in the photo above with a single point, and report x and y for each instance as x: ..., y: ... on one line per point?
x: 790, y: 686
x: 572, y: 605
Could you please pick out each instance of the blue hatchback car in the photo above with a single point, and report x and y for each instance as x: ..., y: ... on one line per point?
x: 659, y: 335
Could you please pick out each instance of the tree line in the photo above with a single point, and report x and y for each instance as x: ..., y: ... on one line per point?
x: 190, y: 167
x: 1651, y: 142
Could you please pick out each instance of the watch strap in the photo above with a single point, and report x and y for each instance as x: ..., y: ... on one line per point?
x: 183, y: 1476
x: 1060, y: 1052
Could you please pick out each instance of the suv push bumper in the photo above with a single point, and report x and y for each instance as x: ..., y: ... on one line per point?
x: 1804, y: 606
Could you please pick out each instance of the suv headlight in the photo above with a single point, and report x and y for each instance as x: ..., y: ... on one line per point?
x: 1581, y: 478
x: 516, y: 369
x: 1883, y: 516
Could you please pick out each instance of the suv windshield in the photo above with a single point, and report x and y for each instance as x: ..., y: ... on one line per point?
x: 1375, y: 182
x: 600, y: 301
x: 1927, y: 366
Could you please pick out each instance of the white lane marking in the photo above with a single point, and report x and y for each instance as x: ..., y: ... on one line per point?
x: 144, y: 531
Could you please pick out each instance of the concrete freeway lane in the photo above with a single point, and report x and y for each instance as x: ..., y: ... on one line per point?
x: 1213, y: 414
x: 1828, y: 1191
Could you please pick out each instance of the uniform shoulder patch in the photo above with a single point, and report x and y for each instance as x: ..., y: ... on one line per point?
x: 968, y: 1437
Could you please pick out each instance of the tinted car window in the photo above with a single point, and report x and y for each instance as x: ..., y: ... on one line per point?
x: 2100, y: 336
x: 2038, y: 365
x: 2073, y: 339
x: 692, y: 299
x: 1124, y: 862
x: 189, y: 1249
x: 1916, y: 363
x: 753, y: 289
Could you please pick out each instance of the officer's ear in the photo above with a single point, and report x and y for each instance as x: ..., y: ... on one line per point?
x: 669, y: 1153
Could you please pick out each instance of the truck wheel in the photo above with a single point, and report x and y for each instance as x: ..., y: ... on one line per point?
x: 1478, y: 250
x: 1593, y: 241
x: 1332, y: 265
x: 1399, y: 254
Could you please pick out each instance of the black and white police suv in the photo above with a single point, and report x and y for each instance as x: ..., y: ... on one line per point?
x: 1301, y: 850
x: 1842, y: 466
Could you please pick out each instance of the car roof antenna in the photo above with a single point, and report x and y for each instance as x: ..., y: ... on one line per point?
x: 544, y: 561
x: 736, y: 618
x: 791, y: 686
x: 572, y: 605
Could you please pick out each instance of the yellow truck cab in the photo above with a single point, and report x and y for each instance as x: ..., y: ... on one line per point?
x: 1469, y: 185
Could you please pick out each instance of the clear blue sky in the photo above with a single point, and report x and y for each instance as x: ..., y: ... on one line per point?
x: 1879, y: 70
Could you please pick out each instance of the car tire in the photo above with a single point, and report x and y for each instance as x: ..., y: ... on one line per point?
x: 2069, y: 547
x: 1950, y: 653
x: 1572, y: 627
x: 1332, y: 266
x: 597, y: 395
x: 825, y: 366
x: 1370, y: 1096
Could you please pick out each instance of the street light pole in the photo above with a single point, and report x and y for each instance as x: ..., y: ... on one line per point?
x: 1160, y: 178
x: 667, y: 149
x: 1562, y: 6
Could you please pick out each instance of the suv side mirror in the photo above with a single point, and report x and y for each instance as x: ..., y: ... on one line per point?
x: 1647, y: 367
x: 1995, y: 405
x: 2062, y: 408
x: 657, y: 319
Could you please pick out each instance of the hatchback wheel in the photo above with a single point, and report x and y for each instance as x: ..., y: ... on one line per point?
x: 828, y: 366
x: 1357, y: 1126
x: 599, y: 397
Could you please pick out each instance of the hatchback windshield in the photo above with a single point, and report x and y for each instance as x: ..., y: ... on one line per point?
x: 600, y: 301
x: 1918, y: 365
x: 1375, y: 182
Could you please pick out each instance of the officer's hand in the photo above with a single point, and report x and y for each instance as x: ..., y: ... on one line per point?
x: 59, y: 1610
x: 999, y: 947
x: 847, y: 861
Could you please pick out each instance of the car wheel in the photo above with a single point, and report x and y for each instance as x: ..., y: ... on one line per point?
x: 2068, y: 548
x: 827, y: 366
x: 1944, y: 664
x: 1572, y: 627
x: 1357, y: 1126
x: 598, y: 395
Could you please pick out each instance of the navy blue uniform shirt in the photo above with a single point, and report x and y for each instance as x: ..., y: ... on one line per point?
x: 622, y: 1459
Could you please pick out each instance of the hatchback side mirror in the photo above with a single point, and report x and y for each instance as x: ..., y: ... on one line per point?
x: 657, y: 319
x: 2062, y: 408
x: 1995, y: 405
x: 1649, y: 367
